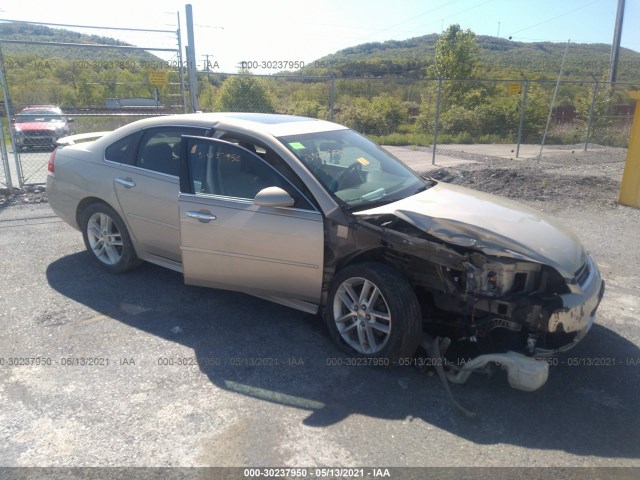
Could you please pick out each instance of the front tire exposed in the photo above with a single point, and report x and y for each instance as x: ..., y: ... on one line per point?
x: 373, y: 312
x: 107, y: 239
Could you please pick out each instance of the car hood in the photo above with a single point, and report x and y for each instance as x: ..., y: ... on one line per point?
x: 490, y: 224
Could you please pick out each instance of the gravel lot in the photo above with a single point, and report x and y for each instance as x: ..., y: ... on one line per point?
x: 267, y: 390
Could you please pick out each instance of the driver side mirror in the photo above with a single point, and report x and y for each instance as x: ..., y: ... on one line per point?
x: 273, y: 197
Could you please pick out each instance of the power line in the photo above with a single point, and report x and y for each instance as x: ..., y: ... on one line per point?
x: 553, y: 18
x: 470, y: 8
x: 87, y: 26
x: 431, y: 10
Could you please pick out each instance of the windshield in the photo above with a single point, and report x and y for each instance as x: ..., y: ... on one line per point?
x: 39, y: 116
x: 355, y: 170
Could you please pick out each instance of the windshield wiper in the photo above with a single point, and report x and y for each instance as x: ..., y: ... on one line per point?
x: 423, y: 188
x: 374, y: 195
x: 367, y: 206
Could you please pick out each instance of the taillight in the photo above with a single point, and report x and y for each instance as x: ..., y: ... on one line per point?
x: 51, y: 169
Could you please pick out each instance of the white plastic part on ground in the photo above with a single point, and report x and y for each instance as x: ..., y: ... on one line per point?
x: 523, y: 373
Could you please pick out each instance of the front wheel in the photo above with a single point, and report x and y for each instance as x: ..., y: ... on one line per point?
x: 107, y: 239
x: 373, y: 312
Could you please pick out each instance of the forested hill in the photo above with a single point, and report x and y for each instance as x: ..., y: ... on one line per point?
x: 77, y: 76
x: 498, y: 58
x: 41, y: 33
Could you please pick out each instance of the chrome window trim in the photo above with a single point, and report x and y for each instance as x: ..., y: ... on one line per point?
x: 145, y: 170
x: 244, y: 201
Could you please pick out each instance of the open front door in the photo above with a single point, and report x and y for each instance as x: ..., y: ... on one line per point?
x: 229, y: 242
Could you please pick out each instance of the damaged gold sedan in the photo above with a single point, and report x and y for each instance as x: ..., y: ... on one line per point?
x: 311, y: 214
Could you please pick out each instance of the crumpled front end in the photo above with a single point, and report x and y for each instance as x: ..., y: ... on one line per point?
x: 490, y: 290
x: 522, y: 306
x: 578, y: 312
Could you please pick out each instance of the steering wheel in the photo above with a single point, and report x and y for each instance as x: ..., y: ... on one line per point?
x: 354, y: 170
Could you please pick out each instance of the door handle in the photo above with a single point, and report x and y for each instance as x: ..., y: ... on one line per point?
x: 126, y: 182
x: 204, y: 217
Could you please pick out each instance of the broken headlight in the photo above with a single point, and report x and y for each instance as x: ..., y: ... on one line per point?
x: 497, y: 278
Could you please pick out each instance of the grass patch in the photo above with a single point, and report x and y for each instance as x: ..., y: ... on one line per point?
x: 426, y: 139
x: 402, y: 139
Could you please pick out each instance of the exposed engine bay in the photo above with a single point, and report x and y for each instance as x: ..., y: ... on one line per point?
x: 488, y: 303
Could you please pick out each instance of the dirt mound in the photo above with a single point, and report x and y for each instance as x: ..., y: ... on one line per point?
x: 533, y: 184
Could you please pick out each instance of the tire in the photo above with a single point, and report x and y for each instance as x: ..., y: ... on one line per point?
x: 107, y: 239
x: 389, y: 327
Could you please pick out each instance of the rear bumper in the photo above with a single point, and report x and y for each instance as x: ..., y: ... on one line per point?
x: 62, y: 204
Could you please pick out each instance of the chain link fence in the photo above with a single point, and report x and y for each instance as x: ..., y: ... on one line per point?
x: 500, y: 117
x: 505, y: 118
x: 422, y: 118
x: 84, y: 83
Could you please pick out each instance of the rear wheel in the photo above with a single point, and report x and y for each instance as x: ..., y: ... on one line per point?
x: 373, y: 312
x: 107, y: 239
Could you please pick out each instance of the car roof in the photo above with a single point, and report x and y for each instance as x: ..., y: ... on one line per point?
x: 262, y: 123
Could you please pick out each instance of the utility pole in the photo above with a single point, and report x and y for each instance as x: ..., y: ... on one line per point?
x: 615, y: 46
x: 191, y: 61
x: 181, y: 68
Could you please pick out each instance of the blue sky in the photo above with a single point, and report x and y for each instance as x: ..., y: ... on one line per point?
x: 298, y: 30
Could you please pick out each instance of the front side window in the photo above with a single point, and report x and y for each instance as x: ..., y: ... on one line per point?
x: 355, y: 170
x: 270, y: 157
x: 221, y: 168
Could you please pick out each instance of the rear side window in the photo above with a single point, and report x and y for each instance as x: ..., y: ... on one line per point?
x: 123, y: 150
x: 160, y: 148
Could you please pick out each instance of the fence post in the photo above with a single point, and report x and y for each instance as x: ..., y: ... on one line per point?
x: 523, y: 106
x: 7, y: 109
x: 5, y: 158
x: 3, y: 144
x: 590, y: 122
x: 435, y: 123
x: 332, y: 94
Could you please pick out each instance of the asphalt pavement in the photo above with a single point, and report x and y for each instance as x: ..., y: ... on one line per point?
x: 141, y: 370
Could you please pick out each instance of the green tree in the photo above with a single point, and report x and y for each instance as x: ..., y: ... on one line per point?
x: 456, y: 54
x: 380, y: 116
x: 536, y: 111
x: 244, y: 94
x: 601, y: 121
x: 601, y: 103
